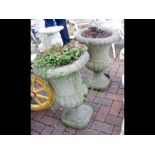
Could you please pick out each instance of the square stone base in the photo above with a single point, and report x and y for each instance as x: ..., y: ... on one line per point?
x: 77, y: 118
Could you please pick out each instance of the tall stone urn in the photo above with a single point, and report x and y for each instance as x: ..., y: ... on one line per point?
x: 98, y: 42
x: 69, y: 92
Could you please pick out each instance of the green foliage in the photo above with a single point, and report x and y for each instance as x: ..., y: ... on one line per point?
x: 85, y: 98
x: 58, y: 56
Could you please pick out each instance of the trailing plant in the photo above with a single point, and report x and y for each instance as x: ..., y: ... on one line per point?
x: 57, y: 56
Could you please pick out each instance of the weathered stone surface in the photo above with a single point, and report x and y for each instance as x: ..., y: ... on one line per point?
x: 70, y: 91
x: 98, y: 81
x: 77, y: 118
x: 67, y: 82
x: 98, y: 49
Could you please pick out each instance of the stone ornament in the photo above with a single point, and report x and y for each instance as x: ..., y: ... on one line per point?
x: 98, y: 49
x: 69, y: 92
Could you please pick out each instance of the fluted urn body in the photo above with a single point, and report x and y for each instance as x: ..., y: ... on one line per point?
x: 98, y: 49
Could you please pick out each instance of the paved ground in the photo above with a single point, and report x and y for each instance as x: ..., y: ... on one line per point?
x: 108, y: 109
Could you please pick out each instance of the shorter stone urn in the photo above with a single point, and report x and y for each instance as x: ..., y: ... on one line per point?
x: 98, y: 49
x: 70, y: 91
x: 50, y: 36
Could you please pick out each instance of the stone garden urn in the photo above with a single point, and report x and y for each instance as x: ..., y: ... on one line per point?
x: 98, y: 42
x: 69, y: 92
x: 50, y: 36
